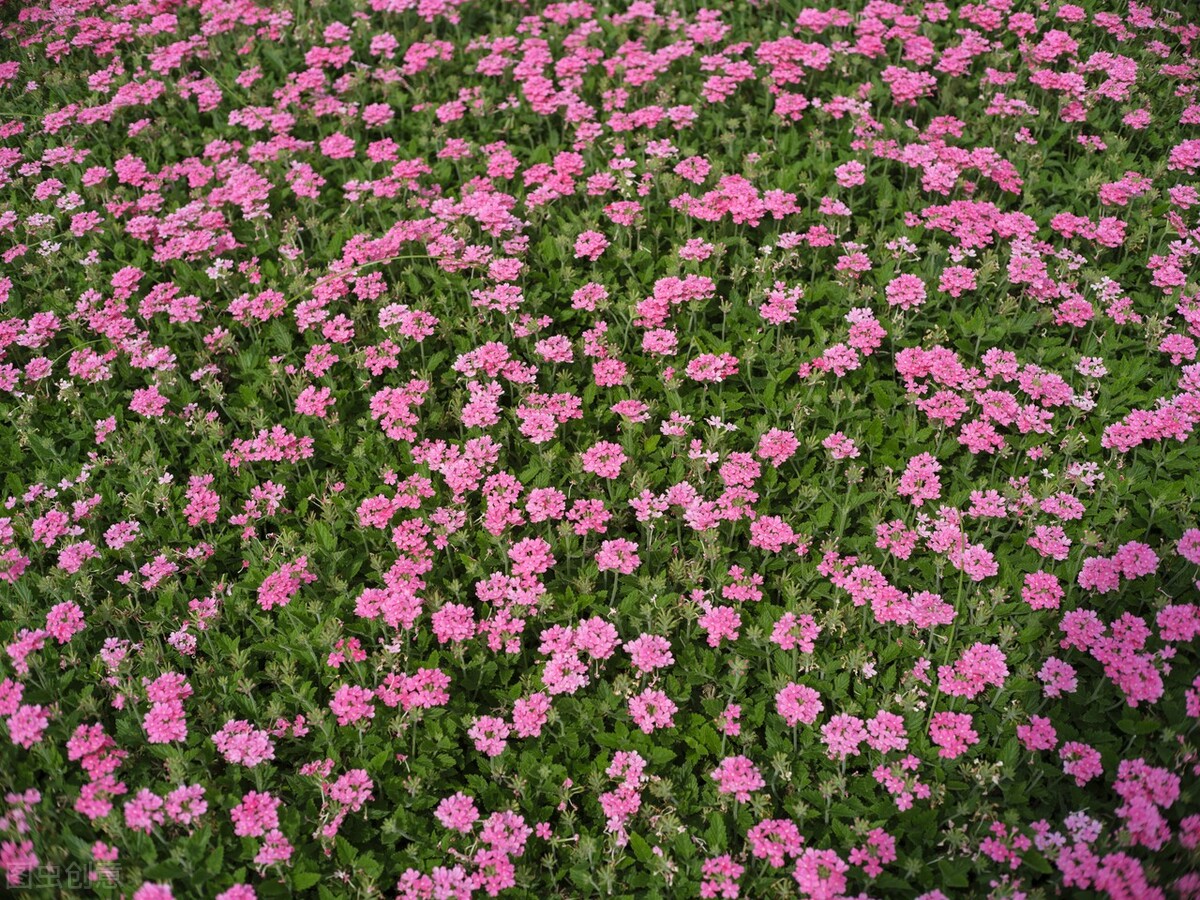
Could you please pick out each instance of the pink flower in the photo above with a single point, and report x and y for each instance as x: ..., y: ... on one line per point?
x: 239, y: 742
x: 454, y: 622
x: 530, y: 715
x: 17, y: 858
x: 728, y: 722
x: 275, y: 849
x: 720, y: 623
x: 153, y: 891
x: 1189, y: 546
x: 719, y: 877
x: 775, y: 839
x: 1058, y: 677
x: 649, y: 652
x: 604, y: 459
x: 651, y: 710
x: 821, y: 874
x: 952, y: 734
x: 165, y: 723
x: 149, y: 402
x: 351, y: 703
x: 314, y: 401
x: 908, y: 86
x: 618, y: 555
x: 27, y: 724
x: 794, y: 632
x: 278, y: 588
x: 457, y: 813
x: 843, y: 735
x: 877, y: 852
x: 256, y: 814
x: 1080, y: 761
x: 920, y: 480
x: 840, y: 446
x: 980, y: 666
x: 850, y: 174
x: 186, y: 804
x: 337, y: 146
x: 957, y: 280
x: 798, y: 703
x: 886, y: 732
x: 64, y: 621
x: 1041, y: 591
x: 782, y: 304
x: 490, y: 735
x: 590, y: 245
x: 709, y: 367
x: 738, y: 776
x: 771, y: 533
x: 905, y: 291
x: 1038, y: 734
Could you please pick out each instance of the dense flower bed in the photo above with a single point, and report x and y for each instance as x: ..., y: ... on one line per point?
x: 468, y: 447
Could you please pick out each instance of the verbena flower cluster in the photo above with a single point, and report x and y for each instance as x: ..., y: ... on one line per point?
x: 472, y: 448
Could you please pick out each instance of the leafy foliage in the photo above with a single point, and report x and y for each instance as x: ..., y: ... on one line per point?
x: 462, y: 447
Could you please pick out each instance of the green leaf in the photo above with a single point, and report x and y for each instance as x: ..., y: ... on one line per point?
x: 302, y: 881
x: 324, y: 536
x: 215, y: 859
x: 954, y: 872
x: 640, y: 848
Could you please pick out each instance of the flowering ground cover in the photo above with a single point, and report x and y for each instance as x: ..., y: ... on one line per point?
x: 459, y: 448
